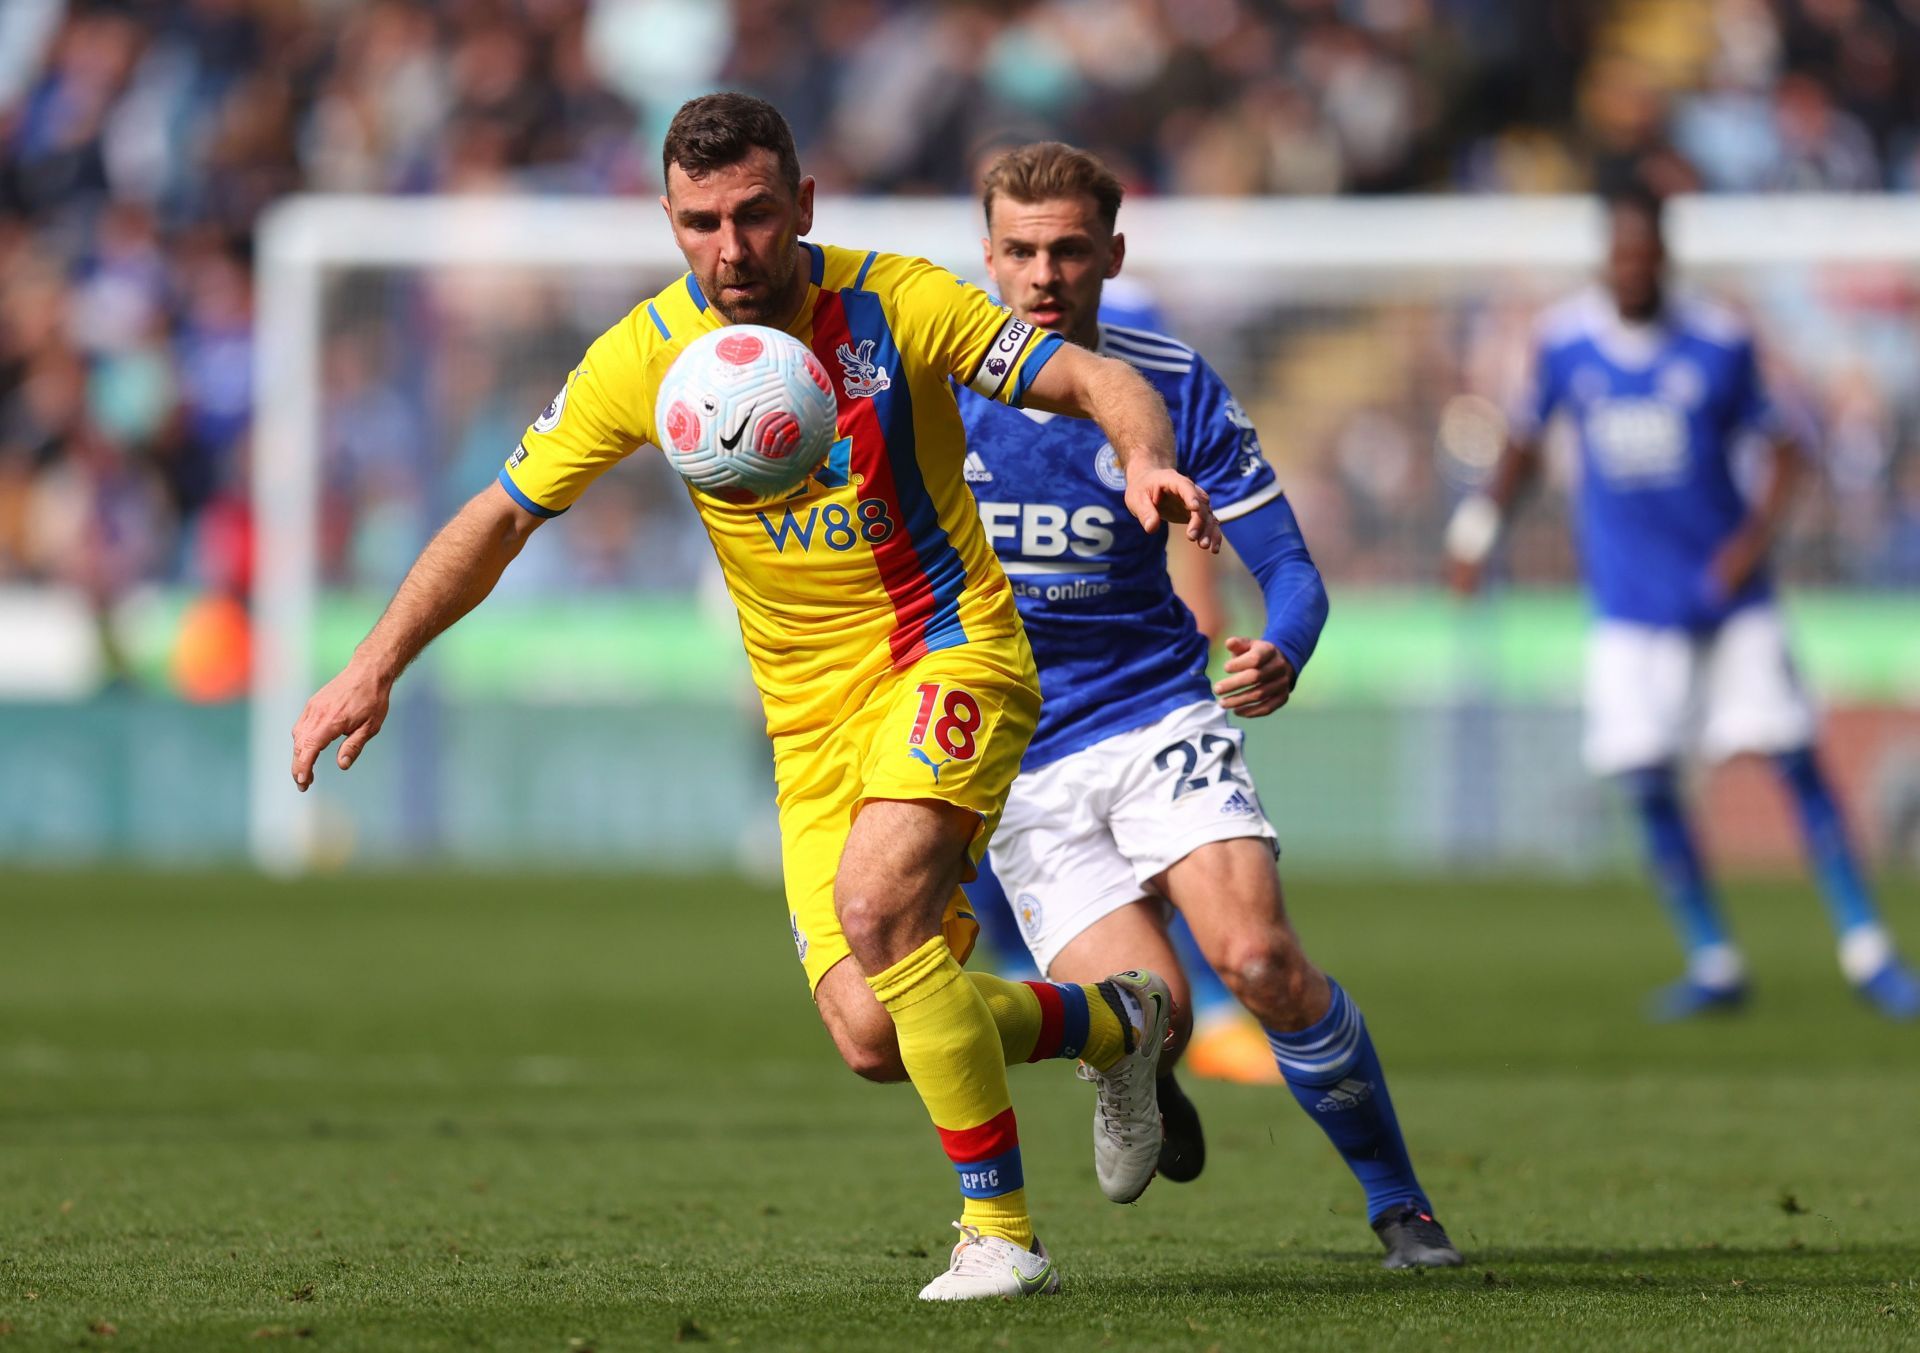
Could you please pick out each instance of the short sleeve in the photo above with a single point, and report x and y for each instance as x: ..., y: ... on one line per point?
x: 1219, y: 448
x: 960, y: 330
x: 601, y: 415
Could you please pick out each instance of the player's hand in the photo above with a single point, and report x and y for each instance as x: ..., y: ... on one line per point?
x: 1158, y: 495
x: 1737, y: 561
x: 353, y: 705
x: 1259, y: 678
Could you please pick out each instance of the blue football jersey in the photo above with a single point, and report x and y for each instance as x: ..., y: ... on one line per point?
x: 1128, y: 304
x: 1116, y: 648
x: 1659, y: 410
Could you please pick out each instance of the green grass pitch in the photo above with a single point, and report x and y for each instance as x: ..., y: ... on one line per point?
x: 544, y: 1113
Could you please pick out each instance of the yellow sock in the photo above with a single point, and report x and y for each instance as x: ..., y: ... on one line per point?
x: 1003, y: 1214
x: 1039, y: 1020
x: 953, y: 1054
x: 1016, y: 1014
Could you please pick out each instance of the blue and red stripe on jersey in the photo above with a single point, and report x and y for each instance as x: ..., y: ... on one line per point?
x: 1064, y: 1020
x: 921, y: 570
x: 987, y: 1157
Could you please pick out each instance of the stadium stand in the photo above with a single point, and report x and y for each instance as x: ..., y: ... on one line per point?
x: 140, y: 141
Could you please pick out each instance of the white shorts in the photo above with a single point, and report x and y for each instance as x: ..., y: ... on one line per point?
x: 1655, y: 694
x: 1087, y: 834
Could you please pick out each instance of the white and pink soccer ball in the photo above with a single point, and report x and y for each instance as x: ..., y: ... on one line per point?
x: 746, y: 413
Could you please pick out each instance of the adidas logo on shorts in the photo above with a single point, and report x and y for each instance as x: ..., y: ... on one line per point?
x: 1239, y: 805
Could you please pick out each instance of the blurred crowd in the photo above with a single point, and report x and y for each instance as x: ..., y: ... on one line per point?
x: 1383, y: 411
x: 140, y: 141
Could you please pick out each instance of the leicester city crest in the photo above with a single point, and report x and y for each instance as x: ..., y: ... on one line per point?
x: 1682, y: 384
x: 1106, y: 464
x: 1027, y: 908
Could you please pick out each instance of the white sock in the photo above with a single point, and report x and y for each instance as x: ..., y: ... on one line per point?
x: 1864, y: 951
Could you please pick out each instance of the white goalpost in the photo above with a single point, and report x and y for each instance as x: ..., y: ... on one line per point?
x: 1246, y: 274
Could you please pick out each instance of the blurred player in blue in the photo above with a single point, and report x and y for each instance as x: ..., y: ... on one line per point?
x: 1134, y: 793
x: 1688, y: 652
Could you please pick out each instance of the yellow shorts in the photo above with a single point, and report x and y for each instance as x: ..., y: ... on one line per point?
x: 951, y: 728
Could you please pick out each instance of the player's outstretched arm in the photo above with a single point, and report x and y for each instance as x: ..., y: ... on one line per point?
x: 1476, y: 524
x: 1261, y: 673
x: 1134, y: 417
x: 452, y: 575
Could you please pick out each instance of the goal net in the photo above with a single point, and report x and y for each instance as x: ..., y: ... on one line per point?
x: 596, y: 710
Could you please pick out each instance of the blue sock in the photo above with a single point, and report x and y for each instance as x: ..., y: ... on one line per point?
x: 1678, y: 871
x: 1210, y: 994
x: 1830, y: 853
x: 1333, y: 1071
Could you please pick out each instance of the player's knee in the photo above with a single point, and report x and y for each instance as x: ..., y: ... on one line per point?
x: 870, y: 924
x: 1257, y: 959
x: 1270, y: 974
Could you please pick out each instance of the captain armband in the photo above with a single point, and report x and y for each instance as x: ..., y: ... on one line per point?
x: 1002, y: 356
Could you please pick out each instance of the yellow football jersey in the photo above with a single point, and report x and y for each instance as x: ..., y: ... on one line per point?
x: 880, y: 558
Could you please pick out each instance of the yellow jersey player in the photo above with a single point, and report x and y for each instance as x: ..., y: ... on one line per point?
x: 900, y: 693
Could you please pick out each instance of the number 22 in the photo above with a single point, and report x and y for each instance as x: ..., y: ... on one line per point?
x: 1184, y: 780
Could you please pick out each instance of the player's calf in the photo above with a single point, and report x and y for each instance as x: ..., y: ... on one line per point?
x: 1229, y: 892
x: 862, y: 1031
x: 1133, y: 936
x: 1036, y: 1021
x: 901, y: 865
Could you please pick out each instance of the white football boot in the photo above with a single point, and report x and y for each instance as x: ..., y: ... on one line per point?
x: 1126, y: 1113
x: 989, y: 1266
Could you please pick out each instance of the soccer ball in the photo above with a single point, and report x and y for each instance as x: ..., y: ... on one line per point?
x: 746, y: 413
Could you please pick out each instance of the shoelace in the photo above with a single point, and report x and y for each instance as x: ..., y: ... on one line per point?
x: 970, y: 1256
x: 1120, y: 1088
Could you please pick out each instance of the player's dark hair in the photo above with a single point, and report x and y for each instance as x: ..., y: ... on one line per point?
x: 718, y: 130
x: 1047, y: 170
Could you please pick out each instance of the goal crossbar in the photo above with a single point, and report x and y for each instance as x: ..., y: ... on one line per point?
x: 1294, y: 245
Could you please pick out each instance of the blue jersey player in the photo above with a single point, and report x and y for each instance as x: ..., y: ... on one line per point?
x: 1226, y: 1043
x: 1688, y: 653
x: 1134, y: 793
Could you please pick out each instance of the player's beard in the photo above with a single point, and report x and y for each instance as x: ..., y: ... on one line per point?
x: 764, y: 308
